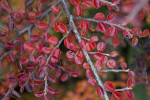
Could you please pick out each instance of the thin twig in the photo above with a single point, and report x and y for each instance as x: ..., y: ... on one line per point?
x: 60, y: 41
x: 123, y: 89
x: 93, y: 20
x: 46, y: 85
x: 21, y: 32
x: 107, y: 2
x: 25, y: 29
x: 113, y: 70
x: 10, y: 90
x: 72, y: 24
x: 106, y: 54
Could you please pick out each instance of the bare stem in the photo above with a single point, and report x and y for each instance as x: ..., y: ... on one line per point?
x: 91, y: 19
x: 46, y: 85
x: 123, y: 89
x: 106, y: 54
x: 60, y: 41
x: 10, y: 90
x: 113, y: 70
x: 72, y: 24
x: 107, y: 2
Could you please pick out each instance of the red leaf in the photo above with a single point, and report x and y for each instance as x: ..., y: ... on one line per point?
x: 56, y: 52
x: 88, y: 47
x: 64, y: 77
x: 70, y: 54
x: 30, y: 67
x: 75, y: 2
x: 43, y: 25
x: 74, y: 74
x: 123, y: 65
x: 111, y: 63
x: 83, y: 44
x: 74, y: 46
x: 46, y: 36
x: 38, y: 82
x: 113, y: 54
x: 35, y: 38
x: 62, y: 28
x: 92, y: 81
x: 109, y: 86
x: 57, y: 73
x: 53, y: 40
x: 21, y: 76
x: 51, y: 66
x: 55, y: 9
x: 54, y: 59
x: 112, y: 31
x: 88, y: 1
x: 24, y: 61
x: 46, y: 97
x: 86, y: 65
x: 28, y: 46
x: 51, y: 79
x: 39, y: 48
x: 130, y: 94
x: 39, y: 94
x: 10, y: 45
x: 98, y: 65
x: 102, y: 26
x: 100, y: 46
x: 134, y: 41
x: 94, y: 38
x: 46, y: 50
x: 67, y: 42
x: 98, y: 56
x: 56, y: 26
x: 89, y: 73
x: 116, y: 95
x: 42, y: 62
x: 97, y: 4
x: 50, y: 91
x: 78, y: 10
x: 99, y: 16
x: 11, y: 56
x: 131, y: 82
x: 78, y: 60
x: 100, y: 91
x: 111, y: 17
x: 127, y: 34
x: 137, y: 31
x: 145, y: 33
x: 131, y: 73
x: 84, y: 25
x: 116, y: 1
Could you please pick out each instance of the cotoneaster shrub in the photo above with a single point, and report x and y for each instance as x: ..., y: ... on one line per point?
x: 37, y: 55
